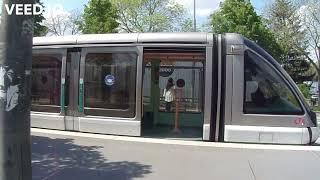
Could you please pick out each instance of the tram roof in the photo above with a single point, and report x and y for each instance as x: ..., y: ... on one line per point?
x: 189, y: 37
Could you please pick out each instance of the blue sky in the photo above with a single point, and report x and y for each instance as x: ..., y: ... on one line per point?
x: 204, y: 7
x: 78, y: 4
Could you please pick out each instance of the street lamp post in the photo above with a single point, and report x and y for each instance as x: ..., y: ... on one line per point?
x: 194, y: 16
x: 16, y: 33
x: 318, y: 76
x: 193, y: 63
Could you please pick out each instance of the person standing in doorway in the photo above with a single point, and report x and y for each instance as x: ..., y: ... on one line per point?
x: 168, y: 94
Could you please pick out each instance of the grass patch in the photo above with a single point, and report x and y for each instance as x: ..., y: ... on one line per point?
x: 315, y: 108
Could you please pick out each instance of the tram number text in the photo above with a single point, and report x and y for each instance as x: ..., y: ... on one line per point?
x: 299, y: 121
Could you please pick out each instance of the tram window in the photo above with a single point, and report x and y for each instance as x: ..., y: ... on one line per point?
x: 110, y: 84
x: 46, y: 79
x: 265, y: 91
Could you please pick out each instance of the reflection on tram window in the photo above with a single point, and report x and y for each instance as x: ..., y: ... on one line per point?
x: 46, y: 78
x: 110, y: 83
x: 67, y: 79
x: 265, y: 90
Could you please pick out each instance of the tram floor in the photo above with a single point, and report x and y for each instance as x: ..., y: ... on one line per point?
x: 166, y: 132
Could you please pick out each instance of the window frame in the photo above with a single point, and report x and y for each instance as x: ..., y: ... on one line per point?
x: 290, y: 88
x: 53, y: 108
x: 235, y: 91
x: 131, y: 112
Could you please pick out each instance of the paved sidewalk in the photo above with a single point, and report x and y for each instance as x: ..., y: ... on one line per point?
x: 66, y: 156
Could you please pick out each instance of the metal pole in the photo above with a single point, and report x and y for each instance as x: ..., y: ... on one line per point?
x: 193, y: 63
x: 194, y: 16
x: 16, y: 32
x: 319, y: 77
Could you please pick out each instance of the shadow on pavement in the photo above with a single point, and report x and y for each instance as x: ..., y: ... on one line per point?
x: 62, y: 159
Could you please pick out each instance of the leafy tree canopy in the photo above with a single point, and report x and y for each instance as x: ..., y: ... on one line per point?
x: 151, y: 16
x: 238, y: 16
x: 284, y: 22
x: 99, y: 16
x: 39, y: 28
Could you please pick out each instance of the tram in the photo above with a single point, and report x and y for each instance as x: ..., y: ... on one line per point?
x: 225, y: 88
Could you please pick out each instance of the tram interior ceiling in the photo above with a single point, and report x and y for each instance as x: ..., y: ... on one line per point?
x: 184, y: 119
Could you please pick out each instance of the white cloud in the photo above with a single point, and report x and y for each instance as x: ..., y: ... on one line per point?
x: 205, y: 12
x: 56, y: 10
x: 203, y: 7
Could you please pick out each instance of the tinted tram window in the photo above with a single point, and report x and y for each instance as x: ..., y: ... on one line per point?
x: 110, y: 84
x: 46, y: 79
x: 265, y: 91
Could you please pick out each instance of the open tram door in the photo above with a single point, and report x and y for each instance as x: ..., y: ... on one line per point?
x: 181, y: 114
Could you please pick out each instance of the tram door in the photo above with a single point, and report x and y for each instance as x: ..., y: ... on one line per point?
x: 47, y: 88
x: 173, y: 86
x: 105, y: 90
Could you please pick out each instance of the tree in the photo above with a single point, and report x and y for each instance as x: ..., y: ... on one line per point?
x: 61, y: 22
x: 75, y: 19
x: 39, y: 28
x: 238, y: 16
x: 284, y: 22
x: 151, y: 16
x: 99, y: 16
x: 305, y: 90
x: 309, y: 14
x: 298, y: 67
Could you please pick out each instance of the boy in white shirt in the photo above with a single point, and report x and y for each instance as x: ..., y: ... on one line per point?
x: 168, y: 94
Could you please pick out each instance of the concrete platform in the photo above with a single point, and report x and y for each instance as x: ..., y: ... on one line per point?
x: 69, y: 155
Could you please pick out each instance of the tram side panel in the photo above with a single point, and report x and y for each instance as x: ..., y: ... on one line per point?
x: 265, y: 107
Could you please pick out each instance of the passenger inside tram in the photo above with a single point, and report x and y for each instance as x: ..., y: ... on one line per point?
x: 171, y: 111
x: 169, y: 94
x: 265, y: 91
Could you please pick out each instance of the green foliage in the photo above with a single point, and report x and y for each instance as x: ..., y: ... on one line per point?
x: 238, y: 16
x: 151, y: 16
x: 284, y: 22
x: 315, y: 108
x: 39, y: 29
x: 305, y: 90
x: 298, y: 67
x: 187, y: 26
x: 99, y: 16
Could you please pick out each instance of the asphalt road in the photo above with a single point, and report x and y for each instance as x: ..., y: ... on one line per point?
x: 66, y: 157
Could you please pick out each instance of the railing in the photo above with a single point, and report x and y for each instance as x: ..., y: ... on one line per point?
x: 192, y: 105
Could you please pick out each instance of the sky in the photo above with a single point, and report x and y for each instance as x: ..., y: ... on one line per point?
x: 203, y: 7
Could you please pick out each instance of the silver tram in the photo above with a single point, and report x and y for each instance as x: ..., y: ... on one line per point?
x: 227, y: 88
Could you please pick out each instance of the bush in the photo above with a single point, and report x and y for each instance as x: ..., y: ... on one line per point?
x: 305, y: 90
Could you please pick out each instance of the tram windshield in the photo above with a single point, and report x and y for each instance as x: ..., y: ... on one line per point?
x: 265, y: 90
